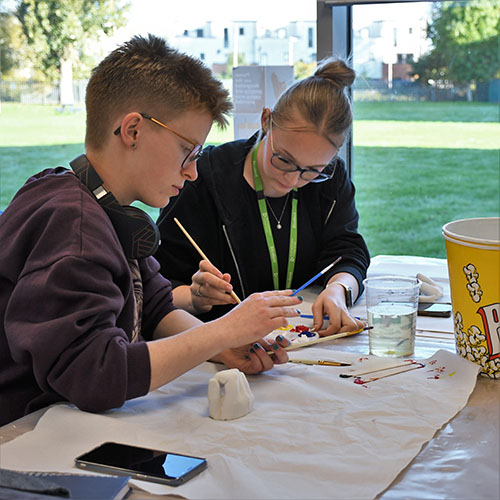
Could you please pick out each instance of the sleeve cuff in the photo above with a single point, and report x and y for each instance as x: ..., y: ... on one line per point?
x: 138, y: 370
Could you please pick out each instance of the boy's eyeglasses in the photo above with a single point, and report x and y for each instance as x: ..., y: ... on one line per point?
x: 193, y: 155
x: 309, y: 174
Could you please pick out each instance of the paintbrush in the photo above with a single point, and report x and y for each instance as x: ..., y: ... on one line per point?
x: 325, y: 362
x: 203, y: 256
x: 314, y: 278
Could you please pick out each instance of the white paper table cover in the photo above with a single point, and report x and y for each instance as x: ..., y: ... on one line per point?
x: 311, y: 434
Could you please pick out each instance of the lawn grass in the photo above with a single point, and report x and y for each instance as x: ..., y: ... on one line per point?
x: 406, y: 195
x: 426, y: 134
x: 39, y: 125
x: 427, y: 111
x: 416, y: 166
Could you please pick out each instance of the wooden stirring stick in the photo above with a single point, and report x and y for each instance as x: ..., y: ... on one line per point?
x: 200, y: 251
x: 413, y: 366
x: 367, y: 372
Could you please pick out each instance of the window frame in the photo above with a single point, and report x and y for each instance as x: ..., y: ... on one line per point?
x: 334, y: 36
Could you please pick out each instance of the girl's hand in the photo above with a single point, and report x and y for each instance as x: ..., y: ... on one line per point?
x: 209, y: 287
x: 331, y: 302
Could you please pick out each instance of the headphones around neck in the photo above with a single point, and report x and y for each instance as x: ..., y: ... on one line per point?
x: 139, y: 236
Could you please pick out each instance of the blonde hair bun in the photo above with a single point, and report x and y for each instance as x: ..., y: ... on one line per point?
x: 336, y: 72
x: 320, y: 99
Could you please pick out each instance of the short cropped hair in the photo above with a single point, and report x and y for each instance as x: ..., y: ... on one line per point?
x: 146, y: 75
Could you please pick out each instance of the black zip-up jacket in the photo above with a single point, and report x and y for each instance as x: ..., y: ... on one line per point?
x: 220, y: 211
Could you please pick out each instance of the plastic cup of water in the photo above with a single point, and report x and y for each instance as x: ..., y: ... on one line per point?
x: 391, y: 304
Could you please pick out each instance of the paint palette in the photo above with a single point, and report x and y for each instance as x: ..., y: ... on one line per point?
x: 296, y: 334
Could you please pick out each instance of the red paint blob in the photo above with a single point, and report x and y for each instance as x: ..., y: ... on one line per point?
x: 301, y: 328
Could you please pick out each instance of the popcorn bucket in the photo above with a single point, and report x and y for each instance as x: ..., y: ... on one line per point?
x: 473, y: 254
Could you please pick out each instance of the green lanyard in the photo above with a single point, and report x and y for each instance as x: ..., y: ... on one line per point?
x: 292, y: 251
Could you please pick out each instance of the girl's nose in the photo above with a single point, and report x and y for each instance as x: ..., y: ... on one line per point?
x: 293, y: 177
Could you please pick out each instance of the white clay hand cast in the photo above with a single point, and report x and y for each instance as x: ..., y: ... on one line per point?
x: 229, y: 395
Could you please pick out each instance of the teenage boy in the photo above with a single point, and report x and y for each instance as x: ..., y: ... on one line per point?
x: 86, y: 316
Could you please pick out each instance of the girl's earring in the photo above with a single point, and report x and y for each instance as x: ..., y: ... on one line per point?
x: 132, y: 145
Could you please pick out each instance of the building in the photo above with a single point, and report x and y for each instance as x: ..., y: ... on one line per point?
x: 384, y: 49
x: 214, y: 43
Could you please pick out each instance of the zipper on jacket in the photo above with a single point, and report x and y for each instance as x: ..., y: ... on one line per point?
x: 234, y: 260
x: 330, y: 212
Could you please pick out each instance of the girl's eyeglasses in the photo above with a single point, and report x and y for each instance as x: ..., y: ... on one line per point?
x: 309, y: 174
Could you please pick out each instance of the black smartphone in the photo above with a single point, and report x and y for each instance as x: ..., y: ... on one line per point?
x: 437, y: 310
x: 142, y: 463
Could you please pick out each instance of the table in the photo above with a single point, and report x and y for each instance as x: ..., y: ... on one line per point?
x: 462, y: 459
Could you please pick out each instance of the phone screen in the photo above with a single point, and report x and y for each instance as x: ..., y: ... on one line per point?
x: 430, y: 309
x: 142, y: 463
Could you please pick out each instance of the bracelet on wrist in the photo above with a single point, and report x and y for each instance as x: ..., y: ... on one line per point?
x: 347, y: 292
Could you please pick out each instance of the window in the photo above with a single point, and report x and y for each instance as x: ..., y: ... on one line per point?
x: 424, y: 147
x: 193, y: 29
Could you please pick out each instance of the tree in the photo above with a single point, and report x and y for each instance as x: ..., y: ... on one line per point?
x: 9, y: 35
x: 60, y: 31
x: 303, y: 69
x: 464, y: 44
x: 228, y: 72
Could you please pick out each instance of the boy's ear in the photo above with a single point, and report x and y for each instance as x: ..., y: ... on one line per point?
x: 130, y: 128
